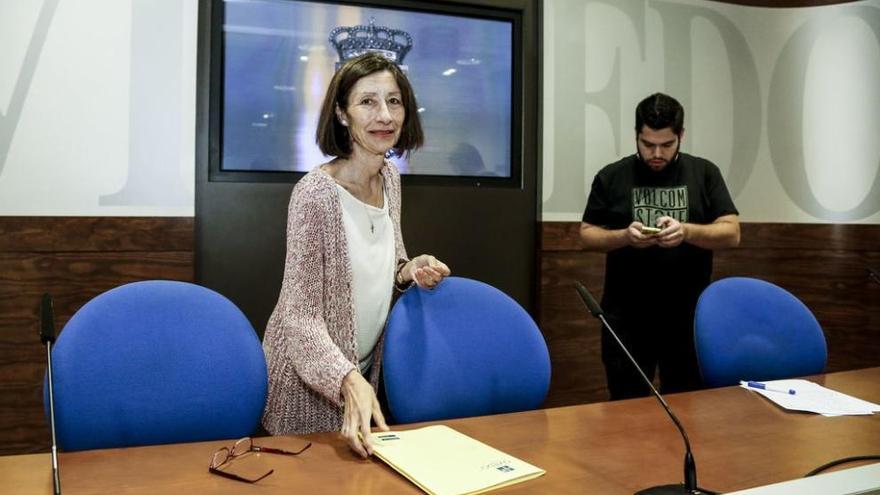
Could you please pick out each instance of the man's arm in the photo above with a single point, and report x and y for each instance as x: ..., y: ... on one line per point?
x: 596, y: 238
x: 720, y: 234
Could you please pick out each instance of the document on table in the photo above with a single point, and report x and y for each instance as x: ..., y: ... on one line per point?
x: 811, y: 397
x: 442, y: 461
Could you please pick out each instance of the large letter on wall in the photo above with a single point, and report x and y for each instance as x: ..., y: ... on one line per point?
x: 747, y: 118
x: 570, y: 98
x: 156, y: 135
x: 786, y: 119
x: 9, y: 117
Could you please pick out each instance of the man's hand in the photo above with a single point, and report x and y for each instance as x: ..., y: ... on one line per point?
x: 360, y: 406
x: 673, y: 233
x: 635, y: 237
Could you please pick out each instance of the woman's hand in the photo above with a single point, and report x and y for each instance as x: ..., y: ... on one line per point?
x: 360, y: 406
x: 426, y: 270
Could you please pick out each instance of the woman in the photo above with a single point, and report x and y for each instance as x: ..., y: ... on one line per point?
x: 345, y: 256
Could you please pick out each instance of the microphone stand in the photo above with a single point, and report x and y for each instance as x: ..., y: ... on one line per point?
x: 47, y: 337
x: 690, y: 469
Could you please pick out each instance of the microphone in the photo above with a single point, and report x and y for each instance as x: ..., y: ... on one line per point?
x: 47, y: 337
x: 47, y: 320
x: 690, y: 469
x: 873, y: 275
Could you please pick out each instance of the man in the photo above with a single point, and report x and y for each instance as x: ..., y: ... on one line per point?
x: 654, y: 277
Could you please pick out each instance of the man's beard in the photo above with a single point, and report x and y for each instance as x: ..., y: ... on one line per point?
x: 666, y: 162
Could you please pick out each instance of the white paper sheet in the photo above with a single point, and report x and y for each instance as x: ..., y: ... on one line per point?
x: 812, y: 397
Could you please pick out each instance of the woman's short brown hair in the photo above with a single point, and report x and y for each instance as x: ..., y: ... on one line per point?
x: 333, y: 138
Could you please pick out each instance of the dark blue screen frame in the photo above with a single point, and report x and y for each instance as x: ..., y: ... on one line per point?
x: 275, y: 61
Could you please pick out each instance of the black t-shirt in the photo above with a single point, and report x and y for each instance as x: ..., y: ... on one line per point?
x: 648, y: 280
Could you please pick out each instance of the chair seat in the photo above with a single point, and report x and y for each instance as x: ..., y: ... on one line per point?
x: 463, y: 349
x: 750, y: 329
x: 157, y: 362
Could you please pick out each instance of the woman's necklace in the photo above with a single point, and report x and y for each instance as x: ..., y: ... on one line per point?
x: 366, y: 210
x: 370, y: 218
x: 363, y: 204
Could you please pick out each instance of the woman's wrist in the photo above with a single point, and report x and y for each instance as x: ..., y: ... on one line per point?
x: 400, y: 281
x: 349, y: 379
x: 398, y: 277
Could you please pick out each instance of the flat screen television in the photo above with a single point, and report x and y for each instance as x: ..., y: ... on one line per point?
x: 275, y: 58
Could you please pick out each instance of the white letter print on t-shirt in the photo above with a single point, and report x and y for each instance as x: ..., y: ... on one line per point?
x: 651, y: 203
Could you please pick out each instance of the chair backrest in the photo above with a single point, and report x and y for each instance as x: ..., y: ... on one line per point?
x: 749, y: 329
x: 156, y: 362
x: 462, y: 349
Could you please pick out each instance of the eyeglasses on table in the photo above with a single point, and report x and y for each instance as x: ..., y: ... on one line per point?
x: 242, y: 446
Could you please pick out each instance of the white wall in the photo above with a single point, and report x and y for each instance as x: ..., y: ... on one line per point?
x: 97, y: 107
x: 97, y: 102
x: 785, y: 101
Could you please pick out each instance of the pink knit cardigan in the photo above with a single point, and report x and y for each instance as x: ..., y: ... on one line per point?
x: 310, y: 338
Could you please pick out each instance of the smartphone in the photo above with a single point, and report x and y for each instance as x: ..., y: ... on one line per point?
x: 650, y: 230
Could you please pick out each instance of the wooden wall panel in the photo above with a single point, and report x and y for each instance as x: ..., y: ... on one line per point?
x: 77, y: 258
x: 823, y: 265
x: 57, y: 234
x: 573, y: 336
x: 74, y: 259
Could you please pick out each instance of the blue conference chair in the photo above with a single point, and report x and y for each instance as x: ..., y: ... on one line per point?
x: 157, y: 362
x: 749, y: 329
x: 462, y: 349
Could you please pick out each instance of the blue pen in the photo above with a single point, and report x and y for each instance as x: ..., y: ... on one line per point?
x: 763, y: 386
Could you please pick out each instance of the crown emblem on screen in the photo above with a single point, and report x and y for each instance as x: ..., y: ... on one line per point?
x: 352, y: 41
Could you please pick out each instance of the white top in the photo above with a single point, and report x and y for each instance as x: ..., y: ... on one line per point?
x: 370, y: 236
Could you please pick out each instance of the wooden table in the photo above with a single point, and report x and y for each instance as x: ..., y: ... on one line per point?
x: 740, y: 440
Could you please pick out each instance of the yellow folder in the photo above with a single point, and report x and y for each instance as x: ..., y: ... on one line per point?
x: 442, y: 461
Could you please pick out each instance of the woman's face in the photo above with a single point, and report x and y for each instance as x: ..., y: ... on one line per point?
x: 375, y: 114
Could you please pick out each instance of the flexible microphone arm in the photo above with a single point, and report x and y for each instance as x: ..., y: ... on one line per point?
x: 690, y: 467
x: 47, y: 337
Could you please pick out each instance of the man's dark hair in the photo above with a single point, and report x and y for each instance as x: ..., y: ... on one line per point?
x: 660, y: 111
x: 332, y: 137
